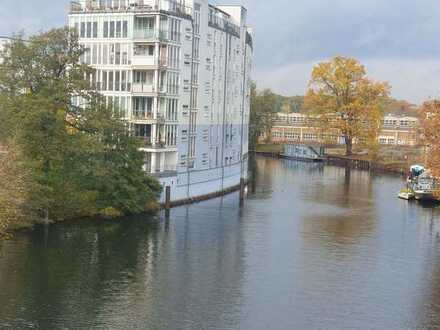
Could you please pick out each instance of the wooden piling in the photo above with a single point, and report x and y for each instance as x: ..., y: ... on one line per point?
x: 242, y: 186
x: 167, y: 197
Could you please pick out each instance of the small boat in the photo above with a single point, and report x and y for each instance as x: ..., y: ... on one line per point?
x: 406, y: 194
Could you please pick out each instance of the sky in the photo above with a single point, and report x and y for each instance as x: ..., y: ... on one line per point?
x: 397, y: 40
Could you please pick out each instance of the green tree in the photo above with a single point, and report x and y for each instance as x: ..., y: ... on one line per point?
x: 263, y: 114
x: 79, y: 153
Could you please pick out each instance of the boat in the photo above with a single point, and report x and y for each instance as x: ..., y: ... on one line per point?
x: 425, y: 187
x: 406, y: 194
x: 421, y: 185
x: 302, y: 152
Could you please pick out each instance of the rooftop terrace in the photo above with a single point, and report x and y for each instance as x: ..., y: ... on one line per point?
x: 117, y: 6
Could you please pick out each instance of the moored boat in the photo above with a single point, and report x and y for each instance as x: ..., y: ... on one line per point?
x: 406, y: 194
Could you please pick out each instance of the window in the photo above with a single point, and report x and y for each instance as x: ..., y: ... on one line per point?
x: 112, y: 54
x: 104, y: 54
x: 105, y: 29
x: 144, y: 77
x: 117, y: 54
x: 94, y: 54
x: 95, y: 29
x: 124, y: 54
x: 124, y: 29
x: 123, y: 81
x: 83, y: 30
x: 89, y: 29
x: 118, y: 29
x: 112, y: 29
x: 117, y: 80
x: 110, y: 81
x: 104, y: 80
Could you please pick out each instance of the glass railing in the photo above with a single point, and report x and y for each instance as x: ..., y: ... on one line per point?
x: 144, y: 34
x: 170, y: 6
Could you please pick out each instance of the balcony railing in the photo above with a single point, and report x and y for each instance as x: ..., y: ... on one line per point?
x: 147, y: 116
x: 146, y: 60
x: 141, y: 60
x: 145, y: 140
x: 147, y: 35
x: 170, y: 6
x: 143, y: 116
x: 142, y: 88
x: 223, y: 24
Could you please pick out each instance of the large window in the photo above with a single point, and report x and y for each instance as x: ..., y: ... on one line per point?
x: 95, y: 30
x: 118, y: 29
x: 142, y: 131
x: 124, y: 29
x: 144, y: 77
x: 112, y: 29
x: 142, y: 107
x: 105, y: 30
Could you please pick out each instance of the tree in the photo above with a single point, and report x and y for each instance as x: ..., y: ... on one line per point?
x: 430, y: 113
x: 263, y: 114
x: 16, y: 189
x: 75, y: 147
x: 342, y: 96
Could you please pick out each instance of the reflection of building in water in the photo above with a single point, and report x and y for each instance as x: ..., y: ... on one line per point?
x: 133, y: 274
x: 296, y: 127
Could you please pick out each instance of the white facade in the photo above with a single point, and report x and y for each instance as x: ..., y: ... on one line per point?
x: 178, y: 72
x: 3, y: 42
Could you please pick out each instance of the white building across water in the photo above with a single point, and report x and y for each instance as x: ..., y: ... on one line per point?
x: 179, y: 73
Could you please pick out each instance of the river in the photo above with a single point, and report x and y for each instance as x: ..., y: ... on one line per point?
x: 314, y: 247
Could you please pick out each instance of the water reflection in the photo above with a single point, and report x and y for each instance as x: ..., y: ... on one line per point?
x: 138, y: 273
x: 314, y: 246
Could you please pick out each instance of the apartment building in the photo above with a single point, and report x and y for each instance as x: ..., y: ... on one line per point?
x: 297, y: 127
x: 179, y: 73
x: 3, y: 42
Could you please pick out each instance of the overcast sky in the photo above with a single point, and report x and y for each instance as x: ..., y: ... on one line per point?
x: 397, y: 40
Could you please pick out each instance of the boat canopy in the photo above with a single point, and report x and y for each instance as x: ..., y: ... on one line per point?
x: 416, y: 170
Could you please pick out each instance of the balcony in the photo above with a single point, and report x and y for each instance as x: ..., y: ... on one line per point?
x: 144, y: 61
x: 147, y: 117
x: 144, y: 35
x: 137, y: 6
x: 142, y: 88
x: 147, y: 142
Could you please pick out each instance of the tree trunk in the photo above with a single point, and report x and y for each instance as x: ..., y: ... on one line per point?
x: 348, y: 146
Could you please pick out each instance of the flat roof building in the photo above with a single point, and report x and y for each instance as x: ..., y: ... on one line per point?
x: 179, y: 73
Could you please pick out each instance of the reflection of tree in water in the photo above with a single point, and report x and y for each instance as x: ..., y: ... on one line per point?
x: 137, y: 273
x: 343, y: 206
x: 65, y: 276
x: 261, y: 172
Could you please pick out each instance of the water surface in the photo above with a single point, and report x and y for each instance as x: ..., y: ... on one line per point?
x: 314, y: 247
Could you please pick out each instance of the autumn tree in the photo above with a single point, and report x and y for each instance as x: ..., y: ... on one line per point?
x: 430, y: 113
x: 342, y: 96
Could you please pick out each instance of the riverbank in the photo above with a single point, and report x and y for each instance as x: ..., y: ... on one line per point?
x: 28, y: 226
x: 390, y: 159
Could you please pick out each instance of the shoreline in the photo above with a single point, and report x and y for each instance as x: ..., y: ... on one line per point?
x: 352, y: 162
x: 24, y: 228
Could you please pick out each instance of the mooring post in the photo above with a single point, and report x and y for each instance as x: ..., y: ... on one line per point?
x: 242, y: 191
x: 167, y: 197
